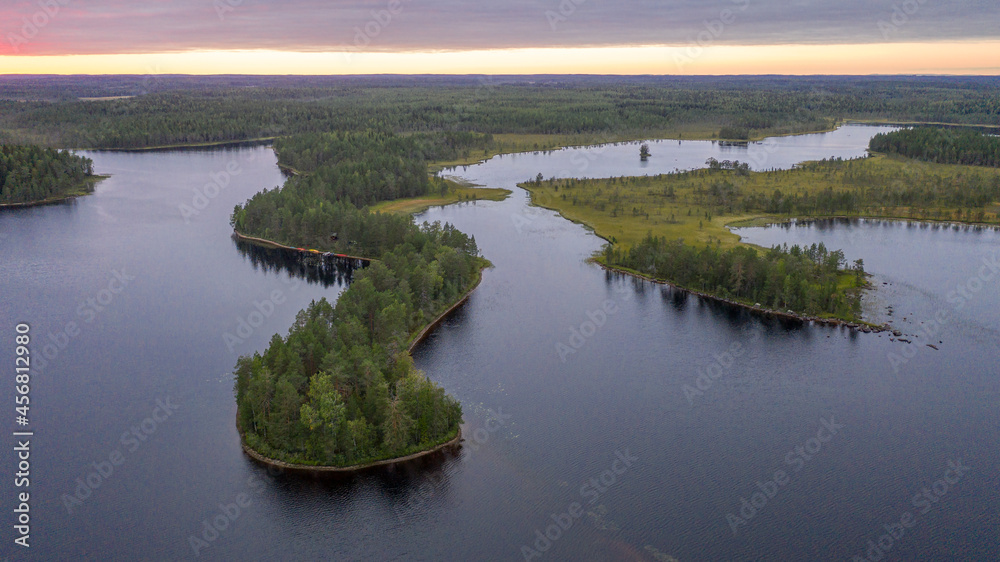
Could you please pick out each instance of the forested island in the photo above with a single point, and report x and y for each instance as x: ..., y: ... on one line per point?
x: 33, y: 174
x: 673, y: 227
x: 809, y: 281
x: 341, y: 389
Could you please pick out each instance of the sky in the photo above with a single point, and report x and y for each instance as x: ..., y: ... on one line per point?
x: 502, y: 37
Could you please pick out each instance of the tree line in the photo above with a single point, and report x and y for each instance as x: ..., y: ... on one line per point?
x: 941, y: 145
x: 32, y: 173
x: 340, y: 388
x: 865, y: 186
x: 178, y: 111
x: 324, y: 208
x: 801, y: 279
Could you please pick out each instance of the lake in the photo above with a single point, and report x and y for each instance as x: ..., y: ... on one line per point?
x: 639, y: 443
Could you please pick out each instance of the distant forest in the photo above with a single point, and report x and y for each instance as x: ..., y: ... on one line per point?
x: 32, y: 173
x: 941, y: 145
x: 178, y: 110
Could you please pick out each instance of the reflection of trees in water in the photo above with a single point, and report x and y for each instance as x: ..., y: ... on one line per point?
x: 315, y: 270
x: 409, y: 488
x: 680, y: 300
x: 831, y: 224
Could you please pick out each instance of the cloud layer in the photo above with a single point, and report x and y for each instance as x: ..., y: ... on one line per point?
x: 58, y: 27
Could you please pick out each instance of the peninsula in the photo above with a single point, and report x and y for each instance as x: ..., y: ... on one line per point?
x: 675, y: 227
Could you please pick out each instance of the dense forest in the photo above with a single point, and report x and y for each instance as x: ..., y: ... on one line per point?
x: 176, y: 110
x: 32, y: 173
x: 805, y: 280
x: 310, y: 152
x: 941, y: 145
x: 341, y: 388
x: 342, y: 173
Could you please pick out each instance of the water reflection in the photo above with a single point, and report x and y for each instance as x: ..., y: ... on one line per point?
x: 324, y: 271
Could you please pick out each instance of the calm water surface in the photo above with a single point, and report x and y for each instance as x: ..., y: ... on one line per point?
x: 545, y: 429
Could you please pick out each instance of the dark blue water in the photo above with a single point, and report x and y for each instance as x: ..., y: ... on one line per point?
x: 566, y: 374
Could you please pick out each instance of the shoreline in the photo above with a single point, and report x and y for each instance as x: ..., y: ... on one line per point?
x: 423, y: 334
x: 766, y: 221
x: 181, y: 146
x: 273, y: 244
x: 928, y: 123
x: 93, y: 181
x: 662, y: 135
x: 319, y: 470
x: 441, y: 166
x: 288, y: 169
x: 43, y: 202
x: 860, y: 326
x: 327, y: 469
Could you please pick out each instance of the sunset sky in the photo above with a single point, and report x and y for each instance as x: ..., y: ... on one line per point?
x: 509, y: 37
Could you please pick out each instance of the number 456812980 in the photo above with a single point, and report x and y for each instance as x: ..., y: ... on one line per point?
x: 22, y: 367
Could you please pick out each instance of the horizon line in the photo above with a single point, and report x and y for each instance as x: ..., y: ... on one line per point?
x: 886, y: 59
x: 510, y: 75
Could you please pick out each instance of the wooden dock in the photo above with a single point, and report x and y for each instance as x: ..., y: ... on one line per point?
x: 306, y: 254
